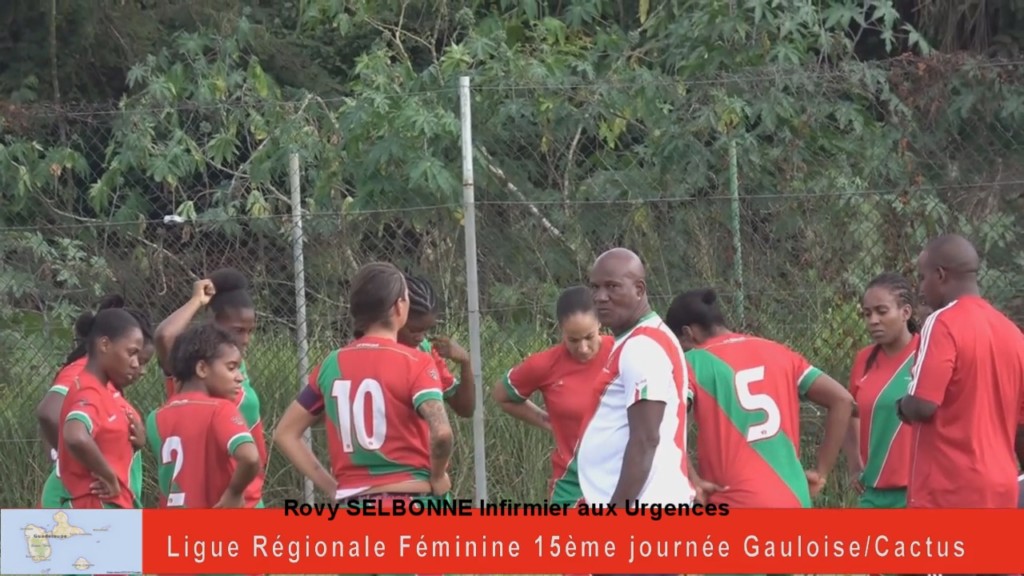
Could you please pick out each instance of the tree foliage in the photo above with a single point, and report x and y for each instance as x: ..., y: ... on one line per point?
x: 596, y: 122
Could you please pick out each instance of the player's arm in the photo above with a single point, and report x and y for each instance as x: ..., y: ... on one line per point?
x: 428, y: 401
x: 520, y: 409
x: 303, y: 413
x: 175, y: 324
x: 932, y: 372
x: 512, y: 393
x: 647, y: 374
x: 824, y: 391
x: 459, y: 393
x: 462, y: 398
x: 48, y: 414
x: 851, y: 445
x: 1019, y: 445
x: 232, y: 432
x: 77, y: 431
x: 442, y: 440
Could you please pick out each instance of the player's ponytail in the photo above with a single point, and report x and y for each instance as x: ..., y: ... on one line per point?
x: 572, y: 301
x: 695, y: 308
x: 231, y: 292
x: 85, y: 323
x: 374, y: 291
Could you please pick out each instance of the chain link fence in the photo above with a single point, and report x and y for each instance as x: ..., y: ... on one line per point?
x: 785, y: 191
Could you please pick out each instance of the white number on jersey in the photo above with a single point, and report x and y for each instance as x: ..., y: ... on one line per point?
x: 172, y: 452
x: 352, y: 413
x: 757, y: 402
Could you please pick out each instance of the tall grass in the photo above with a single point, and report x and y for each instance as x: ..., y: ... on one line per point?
x: 517, y: 455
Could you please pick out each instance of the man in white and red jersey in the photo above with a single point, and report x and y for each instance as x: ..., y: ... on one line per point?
x: 633, y: 447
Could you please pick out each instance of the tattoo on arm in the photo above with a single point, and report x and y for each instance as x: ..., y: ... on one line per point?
x: 440, y: 428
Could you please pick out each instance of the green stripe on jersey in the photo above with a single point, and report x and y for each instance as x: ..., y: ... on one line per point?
x: 81, y: 417
x: 375, y: 463
x: 135, y: 478
x: 59, y: 389
x: 250, y: 406
x: 885, y: 423
x: 567, y: 488
x: 164, y: 472
x: 449, y: 392
x: 806, y: 379
x: 717, y: 378
x: 237, y: 440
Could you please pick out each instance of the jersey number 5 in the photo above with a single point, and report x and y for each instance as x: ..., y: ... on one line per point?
x: 171, y: 452
x: 352, y: 413
x: 757, y: 402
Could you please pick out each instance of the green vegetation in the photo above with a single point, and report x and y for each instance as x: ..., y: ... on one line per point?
x: 783, y: 151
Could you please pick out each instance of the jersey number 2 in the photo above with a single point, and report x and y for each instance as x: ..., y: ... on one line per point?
x: 757, y: 403
x: 171, y: 452
x: 352, y: 413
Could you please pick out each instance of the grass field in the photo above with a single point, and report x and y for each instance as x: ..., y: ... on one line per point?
x: 517, y: 456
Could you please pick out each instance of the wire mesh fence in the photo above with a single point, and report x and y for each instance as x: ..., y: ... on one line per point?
x: 786, y: 191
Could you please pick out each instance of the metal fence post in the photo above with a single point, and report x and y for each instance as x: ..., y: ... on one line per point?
x: 472, y: 288
x: 737, y: 239
x: 300, y: 294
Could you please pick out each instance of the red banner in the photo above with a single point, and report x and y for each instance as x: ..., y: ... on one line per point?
x: 762, y: 541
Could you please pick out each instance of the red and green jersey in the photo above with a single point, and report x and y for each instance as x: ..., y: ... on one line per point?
x: 571, y: 391
x: 194, y: 437
x: 747, y: 408
x: 449, y: 383
x: 248, y: 403
x: 63, y: 382
x: 106, y: 417
x: 135, y: 473
x: 370, y: 391
x: 970, y: 364
x: 884, y: 438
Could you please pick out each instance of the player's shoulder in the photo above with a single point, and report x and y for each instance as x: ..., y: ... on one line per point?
x: 647, y: 342
x: 72, y: 370
x: 548, y: 357
x: 862, y: 355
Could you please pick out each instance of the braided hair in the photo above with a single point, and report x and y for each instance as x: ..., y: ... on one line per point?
x: 904, y: 293
x: 422, y: 298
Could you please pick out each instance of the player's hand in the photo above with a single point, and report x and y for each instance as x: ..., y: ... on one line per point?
x: 441, y: 486
x: 815, y: 481
x: 230, y: 500
x: 450, y: 349
x: 706, y: 489
x: 136, y: 431
x: 855, y: 481
x: 203, y: 291
x: 105, y: 488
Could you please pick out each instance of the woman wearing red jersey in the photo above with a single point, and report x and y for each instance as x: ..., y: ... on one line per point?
x: 48, y: 412
x: 459, y: 393
x: 388, y: 433
x: 746, y: 404
x: 93, y: 448
x: 567, y: 376
x: 878, y: 444
x: 226, y: 293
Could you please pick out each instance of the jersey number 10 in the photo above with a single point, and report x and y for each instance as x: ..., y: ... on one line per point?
x: 352, y: 413
x: 757, y: 403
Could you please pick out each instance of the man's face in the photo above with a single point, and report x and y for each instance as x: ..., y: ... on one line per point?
x: 616, y: 295
x: 929, y: 279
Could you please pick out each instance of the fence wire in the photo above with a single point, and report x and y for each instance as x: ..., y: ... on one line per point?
x: 785, y: 192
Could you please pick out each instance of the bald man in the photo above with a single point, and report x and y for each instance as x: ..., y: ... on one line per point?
x: 966, y: 395
x: 633, y: 449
